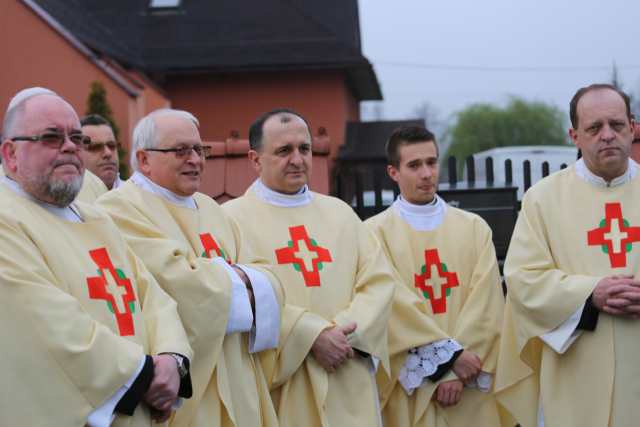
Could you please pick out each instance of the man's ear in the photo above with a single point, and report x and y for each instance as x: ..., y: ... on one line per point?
x: 254, y: 159
x: 393, y: 172
x: 8, y: 150
x: 573, y: 134
x: 143, y: 162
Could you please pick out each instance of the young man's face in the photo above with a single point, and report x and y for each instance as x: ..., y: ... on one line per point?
x: 101, y: 156
x: 417, y: 172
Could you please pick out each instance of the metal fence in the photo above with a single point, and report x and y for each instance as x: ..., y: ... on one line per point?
x: 364, y: 185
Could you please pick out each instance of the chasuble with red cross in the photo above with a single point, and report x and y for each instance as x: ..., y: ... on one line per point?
x: 570, y: 234
x: 333, y: 272
x: 452, y: 273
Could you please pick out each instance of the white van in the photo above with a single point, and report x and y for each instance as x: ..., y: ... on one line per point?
x: 555, y: 155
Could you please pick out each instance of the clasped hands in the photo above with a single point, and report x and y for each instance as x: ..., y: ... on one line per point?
x: 467, y: 367
x: 163, y: 391
x: 618, y: 295
x: 331, y: 348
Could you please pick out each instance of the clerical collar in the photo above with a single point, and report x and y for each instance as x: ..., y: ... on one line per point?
x: 264, y: 193
x: 147, y: 185
x: 421, y: 217
x: 583, y: 172
x: 68, y: 213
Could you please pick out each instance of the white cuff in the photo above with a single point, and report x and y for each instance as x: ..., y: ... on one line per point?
x: 423, y: 361
x: 266, y: 331
x: 240, y: 314
x: 561, y: 338
x: 103, y: 415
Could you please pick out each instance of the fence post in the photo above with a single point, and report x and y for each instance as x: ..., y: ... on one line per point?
x: 545, y: 169
x: 359, y: 192
x: 527, y: 174
x: 508, y: 171
x: 471, y: 170
x: 377, y: 190
x: 453, y: 171
x: 488, y: 167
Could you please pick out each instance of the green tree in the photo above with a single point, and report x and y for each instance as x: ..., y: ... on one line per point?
x: 481, y: 127
x: 97, y: 104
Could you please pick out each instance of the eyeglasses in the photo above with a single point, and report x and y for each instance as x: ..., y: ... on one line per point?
x: 182, y: 152
x: 95, y: 147
x: 55, y: 139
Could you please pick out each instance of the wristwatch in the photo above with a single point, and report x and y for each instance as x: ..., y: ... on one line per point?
x: 182, y: 368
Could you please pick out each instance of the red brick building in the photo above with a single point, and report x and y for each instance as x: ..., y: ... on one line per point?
x: 225, y: 61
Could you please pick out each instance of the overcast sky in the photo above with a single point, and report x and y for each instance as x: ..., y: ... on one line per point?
x: 456, y: 53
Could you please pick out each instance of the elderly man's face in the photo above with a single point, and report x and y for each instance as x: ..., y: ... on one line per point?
x: 284, y: 161
x: 604, y: 133
x: 50, y: 174
x: 101, y: 156
x: 181, y: 176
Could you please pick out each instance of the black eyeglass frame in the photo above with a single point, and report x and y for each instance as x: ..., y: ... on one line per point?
x: 201, y: 150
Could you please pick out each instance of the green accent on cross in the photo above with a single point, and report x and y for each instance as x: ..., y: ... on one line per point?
x: 296, y: 267
x: 320, y: 266
x: 121, y: 275
x: 423, y: 269
x: 290, y: 243
x: 603, y: 222
x: 628, y: 247
x: 313, y: 242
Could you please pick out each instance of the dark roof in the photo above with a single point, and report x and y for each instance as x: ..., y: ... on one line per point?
x: 366, y: 140
x: 205, y: 36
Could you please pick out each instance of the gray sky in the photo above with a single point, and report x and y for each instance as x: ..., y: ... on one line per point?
x: 466, y: 52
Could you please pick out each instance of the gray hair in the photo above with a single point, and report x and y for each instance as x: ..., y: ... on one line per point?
x: 16, y: 104
x: 145, y: 134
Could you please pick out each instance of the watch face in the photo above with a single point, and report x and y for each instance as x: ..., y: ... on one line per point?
x: 182, y: 369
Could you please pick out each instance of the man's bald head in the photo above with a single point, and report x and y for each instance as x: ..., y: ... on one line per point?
x: 283, y: 115
x: 49, y: 171
x: 17, y: 105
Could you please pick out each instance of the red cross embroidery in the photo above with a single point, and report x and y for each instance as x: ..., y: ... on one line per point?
x: 211, y: 247
x: 113, y: 287
x: 447, y: 280
x: 291, y: 255
x: 614, y: 235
